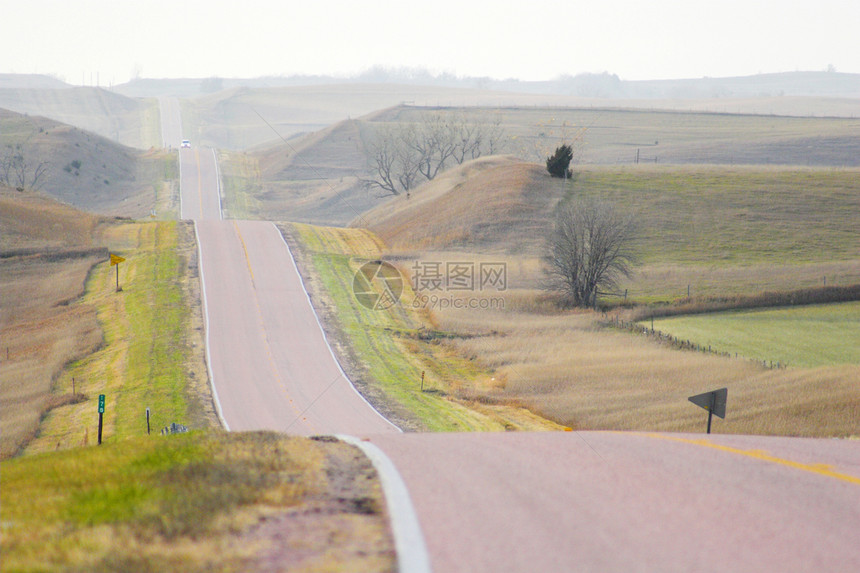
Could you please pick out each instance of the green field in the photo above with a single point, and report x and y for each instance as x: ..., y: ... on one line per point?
x: 806, y: 336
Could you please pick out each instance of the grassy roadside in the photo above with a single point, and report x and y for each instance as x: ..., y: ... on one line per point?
x: 202, y: 501
x: 386, y: 351
x: 240, y: 177
x: 146, y: 357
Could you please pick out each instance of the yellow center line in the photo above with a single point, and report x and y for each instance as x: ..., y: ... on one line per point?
x: 820, y: 469
x: 261, y: 320
x: 199, y: 182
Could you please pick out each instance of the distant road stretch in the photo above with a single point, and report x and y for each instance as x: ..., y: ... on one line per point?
x: 171, y: 122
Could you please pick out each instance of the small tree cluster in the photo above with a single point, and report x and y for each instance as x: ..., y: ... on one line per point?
x: 589, y: 250
x: 558, y: 164
x: 400, y: 156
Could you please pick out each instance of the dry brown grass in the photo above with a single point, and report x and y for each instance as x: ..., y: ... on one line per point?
x: 493, y: 203
x: 567, y: 368
x: 48, y: 252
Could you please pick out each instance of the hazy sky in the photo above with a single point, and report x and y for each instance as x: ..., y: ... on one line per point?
x: 527, y: 39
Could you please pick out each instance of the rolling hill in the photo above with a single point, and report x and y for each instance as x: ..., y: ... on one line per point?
x: 132, y: 122
x: 490, y: 204
x: 86, y: 170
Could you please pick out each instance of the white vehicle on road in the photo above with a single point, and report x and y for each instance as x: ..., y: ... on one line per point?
x: 186, y: 144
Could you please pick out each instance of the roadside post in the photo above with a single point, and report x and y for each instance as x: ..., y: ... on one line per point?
x: 101, y: 415
x: 115, y: 260
x: 714, y: 402
x: 147, y: 421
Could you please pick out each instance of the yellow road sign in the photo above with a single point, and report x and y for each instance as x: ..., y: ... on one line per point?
x: 115, y: 259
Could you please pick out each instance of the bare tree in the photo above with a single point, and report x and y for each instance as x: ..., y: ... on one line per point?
x: 589, y: 250
x: 18, y: 170
x: 392, y: 161
x: 433, y: 140
x: 401, y: 156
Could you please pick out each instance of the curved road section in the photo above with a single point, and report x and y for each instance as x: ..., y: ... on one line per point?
x: 509, y: 502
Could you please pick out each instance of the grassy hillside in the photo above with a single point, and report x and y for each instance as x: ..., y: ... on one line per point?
x: 718, y: 230
x: 131, y: 122
x: 46, y: 252
x: 151, y: 354
x: 230, y: 120
x: 493, y: 204
x: 86, y: 170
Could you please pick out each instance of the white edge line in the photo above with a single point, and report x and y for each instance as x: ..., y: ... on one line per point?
x: 206, y: 327
x: 412, y: 556
x: 218, y: 184
x: 179, y: 159
x: 322, y: 330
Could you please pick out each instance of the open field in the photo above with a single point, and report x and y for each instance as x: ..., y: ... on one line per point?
x: 151, y: 356
x: 385, y: 351
x: 806, y: 336
x: 721, y: 231
x: 567, y: 368
x: 613, y: 136
x: 202, y: 501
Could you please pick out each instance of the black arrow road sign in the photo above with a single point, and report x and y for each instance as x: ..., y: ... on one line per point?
x: 714, y: 402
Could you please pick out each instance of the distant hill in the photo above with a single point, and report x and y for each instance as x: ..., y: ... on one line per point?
x: 312, y: 178
x: 132, y: 122
x: 86, y: 170
x: 31, y: 81
x: 243, y: 118
x: 589, y: 85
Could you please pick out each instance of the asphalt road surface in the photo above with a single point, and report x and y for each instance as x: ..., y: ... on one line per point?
x: 603, y: 501
x: 518, y: 502
x: 270, y: 364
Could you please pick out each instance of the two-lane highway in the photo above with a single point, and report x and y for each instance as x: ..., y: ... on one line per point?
x: 269, y: 362
x: 271, y: 365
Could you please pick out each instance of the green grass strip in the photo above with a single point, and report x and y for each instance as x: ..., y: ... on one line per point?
x: 804, y: 336
x: 376, y: 337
